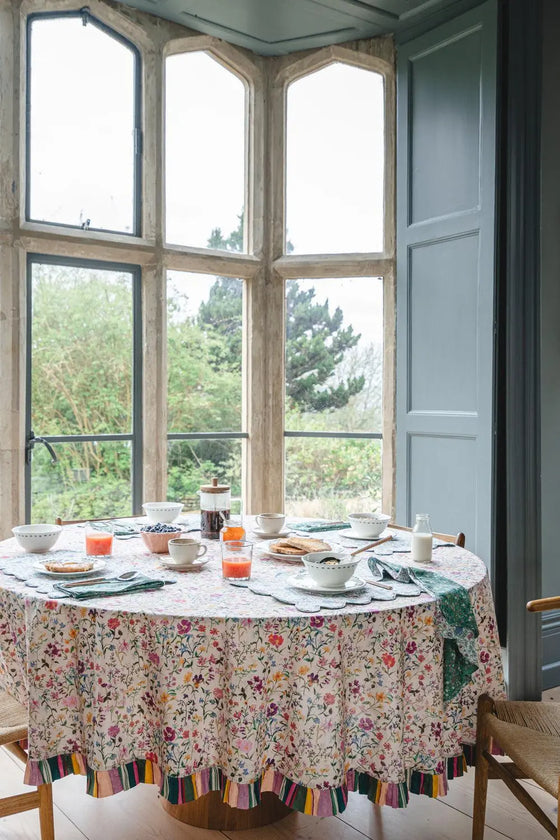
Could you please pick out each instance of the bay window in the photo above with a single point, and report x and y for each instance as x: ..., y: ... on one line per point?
x: 253, y: 199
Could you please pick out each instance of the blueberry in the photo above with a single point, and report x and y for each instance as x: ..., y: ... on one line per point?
x: 160, y: 528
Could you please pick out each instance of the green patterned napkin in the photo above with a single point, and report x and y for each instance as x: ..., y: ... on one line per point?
x: 313, y: 525
x: 457, y: 621
x: 110, y: 586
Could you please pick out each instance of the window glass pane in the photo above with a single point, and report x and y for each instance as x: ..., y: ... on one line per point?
x: 81, y: 350
x: 205, y: 153
x: 334, y: 354
x: 81, y: 126
x: 331, y: 477
x: 335, y: 162
x: 191, y: 463
x: 204, y: 341
x: 90, y: 479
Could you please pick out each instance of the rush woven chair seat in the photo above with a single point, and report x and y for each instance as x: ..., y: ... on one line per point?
x: 13, y: 728
x: 528, y: 732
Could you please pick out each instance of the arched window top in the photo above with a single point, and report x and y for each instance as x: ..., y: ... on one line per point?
x: 83, y: 124
x: 205, y: 152
x: 335, y: 160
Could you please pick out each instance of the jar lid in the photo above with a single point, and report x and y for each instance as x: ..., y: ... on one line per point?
x: 214, y: 487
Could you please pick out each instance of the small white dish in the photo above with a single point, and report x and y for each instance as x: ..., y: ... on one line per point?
x: 369, y: 525
x: 303, y: 580
x: 186, y: 567
x: 329, y: 568
x: 97, y: 566
x: 162, y: 511
x: 37, y: 539
x: 349, y: 534
x: 266, y: 534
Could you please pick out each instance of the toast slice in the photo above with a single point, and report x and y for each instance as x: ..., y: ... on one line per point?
x: 280, y: 547
x: 308, y: 544
x: 298, y: 546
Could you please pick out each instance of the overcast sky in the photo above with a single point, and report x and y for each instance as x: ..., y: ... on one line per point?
x: 82, y: 157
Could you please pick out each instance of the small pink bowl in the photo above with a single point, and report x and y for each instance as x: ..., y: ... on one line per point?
x: 159, y: 543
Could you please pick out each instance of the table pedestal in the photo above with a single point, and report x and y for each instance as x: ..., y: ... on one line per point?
x: 209, y: 811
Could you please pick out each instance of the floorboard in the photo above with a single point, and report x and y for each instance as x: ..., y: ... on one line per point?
x: 503, y: 811
x: 26, y: 826
x: 423, y: 819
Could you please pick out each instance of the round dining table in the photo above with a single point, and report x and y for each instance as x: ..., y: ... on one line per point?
x: 246, y: 697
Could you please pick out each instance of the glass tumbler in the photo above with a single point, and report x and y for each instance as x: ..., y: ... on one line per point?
x: 98, y: 543
x: 237, y: 556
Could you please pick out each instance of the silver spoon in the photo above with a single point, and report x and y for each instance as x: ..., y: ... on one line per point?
x: 86, y: 581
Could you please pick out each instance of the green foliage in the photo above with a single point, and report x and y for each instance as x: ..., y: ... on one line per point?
x: 189, y: 466
x: 333, y: 468
x: 316, y: 343
x: 222, y: 313
x: 81, y: 351
x: 82, y: 384
x: 234, y: 242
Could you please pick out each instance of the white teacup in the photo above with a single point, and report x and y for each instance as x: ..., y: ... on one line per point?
x: 271, y: 523
x: 185, y: 551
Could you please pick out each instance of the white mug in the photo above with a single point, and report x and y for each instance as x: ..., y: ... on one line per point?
x: 184, y: 551
x: 271, y: 523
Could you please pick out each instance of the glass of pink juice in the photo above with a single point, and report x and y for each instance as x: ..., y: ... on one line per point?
x: 237, y: 556
x: 98, y: 543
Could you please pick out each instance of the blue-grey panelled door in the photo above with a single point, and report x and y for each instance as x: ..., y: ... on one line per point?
x: 445, y: 276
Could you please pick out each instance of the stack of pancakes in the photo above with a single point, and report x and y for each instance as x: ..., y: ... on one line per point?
x: 298, y: 546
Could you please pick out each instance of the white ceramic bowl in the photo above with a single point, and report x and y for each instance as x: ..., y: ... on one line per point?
x: 330, y: 575
x: 368, y: 524
x: 162, y: 511
x: 37, y: 538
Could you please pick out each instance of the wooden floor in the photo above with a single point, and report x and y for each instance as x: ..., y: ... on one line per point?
x: 137, y: 815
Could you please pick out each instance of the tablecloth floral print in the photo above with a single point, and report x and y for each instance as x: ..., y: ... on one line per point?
x: 205, y: 691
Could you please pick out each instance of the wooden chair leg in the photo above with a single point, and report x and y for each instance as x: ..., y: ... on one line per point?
x: 46, y: 819
x: 485, y: 706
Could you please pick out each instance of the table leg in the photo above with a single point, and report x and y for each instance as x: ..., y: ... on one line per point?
x: 209, y: 811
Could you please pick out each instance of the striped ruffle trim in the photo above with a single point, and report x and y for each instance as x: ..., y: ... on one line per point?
x: 320, y: 802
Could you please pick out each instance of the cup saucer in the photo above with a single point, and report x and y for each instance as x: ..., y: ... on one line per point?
x: 195, y: 566
x: 267, y: 535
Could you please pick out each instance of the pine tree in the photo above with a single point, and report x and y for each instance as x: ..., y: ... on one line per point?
x: 316, y: 340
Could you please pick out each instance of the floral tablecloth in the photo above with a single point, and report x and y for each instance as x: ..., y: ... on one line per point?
x: 204, y: 686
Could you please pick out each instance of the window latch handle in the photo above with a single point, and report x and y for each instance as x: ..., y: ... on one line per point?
x: 32, y: 439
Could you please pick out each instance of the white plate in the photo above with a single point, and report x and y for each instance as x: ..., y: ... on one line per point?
x: 97, y: 566
x: 289, y: 558
x: 303, y: 580
x: 260, y: 533
x: 186, y: 567
x: 349, y: 533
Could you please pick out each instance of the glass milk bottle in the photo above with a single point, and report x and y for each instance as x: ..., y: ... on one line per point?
x: 422, y: 539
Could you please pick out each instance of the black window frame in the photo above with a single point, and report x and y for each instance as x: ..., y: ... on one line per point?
x: 87, y: 18
x: 136, y: 434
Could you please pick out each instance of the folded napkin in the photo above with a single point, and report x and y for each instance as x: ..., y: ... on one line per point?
x: 110, y: 586
x: 314, y: 525
x: 457, y: 621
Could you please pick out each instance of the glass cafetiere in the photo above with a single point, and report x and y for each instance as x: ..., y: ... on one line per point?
x: 215, y: 505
